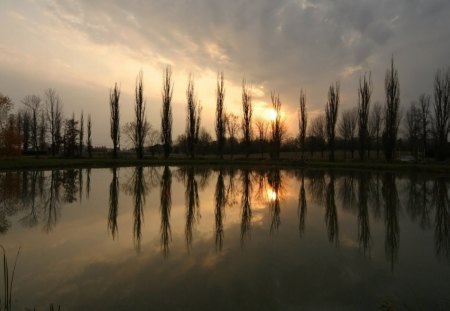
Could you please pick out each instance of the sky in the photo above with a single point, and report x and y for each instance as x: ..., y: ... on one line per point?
x: 81, y: 48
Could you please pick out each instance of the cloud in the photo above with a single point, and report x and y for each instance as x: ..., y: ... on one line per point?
x: 280, y: 45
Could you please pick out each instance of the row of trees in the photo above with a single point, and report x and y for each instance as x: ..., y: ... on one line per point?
x: 363, y: 128
x: 39, y: 127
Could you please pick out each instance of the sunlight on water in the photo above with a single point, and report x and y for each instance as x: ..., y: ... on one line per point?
x: 184, y: 238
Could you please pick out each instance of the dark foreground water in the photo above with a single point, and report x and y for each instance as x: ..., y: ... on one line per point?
x: 191, y: 238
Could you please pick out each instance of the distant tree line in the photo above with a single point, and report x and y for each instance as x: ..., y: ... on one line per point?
x: 374, y: 130
x: 38, y: 127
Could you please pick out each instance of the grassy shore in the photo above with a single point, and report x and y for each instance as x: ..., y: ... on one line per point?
x: 105, y: 162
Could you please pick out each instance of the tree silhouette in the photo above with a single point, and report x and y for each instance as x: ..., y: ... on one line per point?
x: 425, y: 122
x: 247, y: 112
x: 347, y: 129
x: 81, y: 134
x: 33, y: 104
x: 232, y: 124
x: 442, y: 111
x: 391, y: 112
x: 220, y: 115
x: 364, y: 95
x: 375, y: 124
x: 302, y: 122
x: 114, y: 97
x: 140, y: 118
x: 54, y: 118
x: 331, y: 113
x: 278, y: 129
x: 89, y: 136
x: 166, y: 113
x: 261, y: 130
x: 193, y: 118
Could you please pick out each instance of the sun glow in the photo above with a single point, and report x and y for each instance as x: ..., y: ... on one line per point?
x: 271, y: 195
x: 271, y: 114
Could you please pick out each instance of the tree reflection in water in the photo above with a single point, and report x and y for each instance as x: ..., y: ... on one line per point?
x: 165, y: 207
x: 88, y: 182
x: 37, y: 197
x: 220, y: 200
x: 275, y: 183
x: 392, y: 205
x: 442, y: 219
x: 192, y: 205
x: 331, y: 217
x: 113, y: 203
x: 140, y: 188
x: 53, y: 202
x: 246, y: 213
x: 364, y: 237
x: 302, y: 208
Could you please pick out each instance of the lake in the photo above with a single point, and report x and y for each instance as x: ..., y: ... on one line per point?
x: 183, y: 238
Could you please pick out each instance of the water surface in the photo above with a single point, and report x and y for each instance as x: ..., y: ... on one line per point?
x: 193, y: 238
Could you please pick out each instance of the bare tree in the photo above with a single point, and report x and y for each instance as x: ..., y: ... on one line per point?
x: 302, y: 122
x: 6, y: 105
x: 114, y: 97
x: 347, y: 129
x: 54, y: 118
x: 166, y: 113
x: 26, y: 124
x: 391, y: 111
x: 140, y: 118
x: 33, y: 104
x: 424, y: 111
x: 81, y: 134
x: 152, y: 138
x: 247, y: 112
x: 193, y: 118
x: 375, y: 124
x: 413, y: 128
x: 317, y: 133
x: 232, y: 123
x: 331, y: 113
x: 364, y: 95
x: 442, y: 111
x: 278, y: 129
x: 425, y: 122
x: 262, y: 128
x: 220, y: 115
x: 42, y: 130
x: 129, y: 129
x: 89, y: 136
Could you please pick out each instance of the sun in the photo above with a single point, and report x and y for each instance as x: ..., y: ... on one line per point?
x: 271, y: 114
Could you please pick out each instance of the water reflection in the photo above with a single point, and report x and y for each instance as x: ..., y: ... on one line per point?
x: 302, y: 206
x: 442, y: 218
x: 140, y: 189
x: 246, y: 213
x: 252, y: 198
x: 364, y: 237
x: 391, y: 209
x: 192, y: 204
x: 166, y: 205
x: 53, y: 202
x: 331, y: 214
x: 113, y: 203
x: 274, y: 193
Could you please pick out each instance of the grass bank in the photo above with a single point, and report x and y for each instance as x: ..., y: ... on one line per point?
x: 105, y: 162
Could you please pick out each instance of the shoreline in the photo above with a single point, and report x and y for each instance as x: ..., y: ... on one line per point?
x: 284, y: 163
